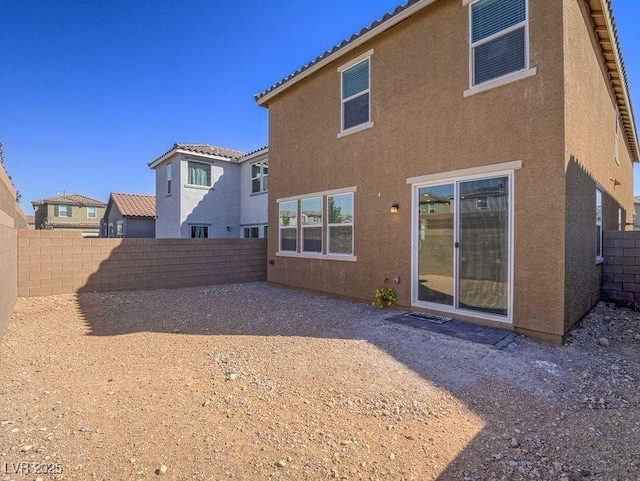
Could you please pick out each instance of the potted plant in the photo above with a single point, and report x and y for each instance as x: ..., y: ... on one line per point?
x: 385, y: 296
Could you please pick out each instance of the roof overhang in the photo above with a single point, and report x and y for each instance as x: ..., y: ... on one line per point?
x: 155, y: 163
x: 384, y: 26
x: 257, y: 155
x: 601, y: 15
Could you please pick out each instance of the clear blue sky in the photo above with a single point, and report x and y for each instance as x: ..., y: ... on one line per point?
x: 90, y: 91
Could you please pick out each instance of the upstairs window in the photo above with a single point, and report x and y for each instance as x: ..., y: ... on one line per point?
x: 63, y: 211
x: 199, y: 174
x: 169, y: 166
x: 499, y: 39
x: 91, y: 213
x: 355, y: 95
x: 259, y: 177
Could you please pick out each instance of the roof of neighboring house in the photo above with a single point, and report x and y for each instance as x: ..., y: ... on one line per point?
x: 255, y: 153
x: 134, y: 205
x: 31, y: 219
x: 604, y: 25
x: 71, y: 199
x: 204, y: 149
x: 74, y: 225
x: 636, y: 199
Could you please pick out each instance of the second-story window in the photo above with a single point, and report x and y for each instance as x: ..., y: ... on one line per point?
x: 91, y: 213
x: 355, y: 95
x: 259, y: 177
x: 499, y: 39
x: 199, y: 174
x: 169, y: 166
x: 64, y: 211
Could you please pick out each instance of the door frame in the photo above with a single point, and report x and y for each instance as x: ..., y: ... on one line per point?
x: 455, y: 178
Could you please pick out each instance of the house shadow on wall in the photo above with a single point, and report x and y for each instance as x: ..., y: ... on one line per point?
x: 473, y: 374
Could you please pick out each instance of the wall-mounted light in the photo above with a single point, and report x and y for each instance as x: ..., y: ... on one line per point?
x: 394, y: 209
x: 228, y: 228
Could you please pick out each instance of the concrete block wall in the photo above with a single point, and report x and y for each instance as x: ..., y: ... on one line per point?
x: 621, y: 269
x: 57, y: 262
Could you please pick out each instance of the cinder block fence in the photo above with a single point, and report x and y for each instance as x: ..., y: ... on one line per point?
x: 621, y: 269
x: 59, y: 262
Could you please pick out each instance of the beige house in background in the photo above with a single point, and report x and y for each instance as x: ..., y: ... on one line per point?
x: 70, y: 212
x: 467, y: 153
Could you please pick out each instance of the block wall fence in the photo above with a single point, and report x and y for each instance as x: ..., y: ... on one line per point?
x: 621, y: 269
x: 62, y: 262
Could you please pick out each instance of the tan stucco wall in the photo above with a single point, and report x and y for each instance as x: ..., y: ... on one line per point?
x: 590, y: 120
x: 423, y: 125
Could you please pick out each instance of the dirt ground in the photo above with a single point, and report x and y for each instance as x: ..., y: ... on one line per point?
x: 251, y: 382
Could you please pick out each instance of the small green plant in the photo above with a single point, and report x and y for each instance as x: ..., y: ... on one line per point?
x: 384, y: 297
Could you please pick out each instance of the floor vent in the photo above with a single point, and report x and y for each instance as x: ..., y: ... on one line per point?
x: 428, y: 317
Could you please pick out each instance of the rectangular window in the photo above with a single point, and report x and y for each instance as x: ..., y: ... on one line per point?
x: 340, y: 224
x: 64, y: 211
x: 311, y: 221
x: 259, y: 177
x: 251, y: 232
x: 169, y: 166
x: 91, y: 213
x: 355, y: 95
x: 598, y: 225
x: 620, y: 224
x: 499, y: 39
x: 432, y: 208
x: 266, y: 231
x: 119, y: 228
x: 199, y: 174
x: 288, y: 226
x: 199, y: 231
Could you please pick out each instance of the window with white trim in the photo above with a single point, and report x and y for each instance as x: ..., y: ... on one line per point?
x: 91, y: 213
x: 251, y: 232
x: 499, y: 39
x: 199, y: 231
x: 598, y: 225
x: 340, y: 224
x: 64, y: 211
x: 199, y: 174
x: 169, y: 167
x: 119, y: 228
x: 259, y: 176
x: 355, y: 95
x: 288, y: 219
x: 311, y: 222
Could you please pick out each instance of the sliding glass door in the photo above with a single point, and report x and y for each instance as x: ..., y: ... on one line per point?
x: 463, y: 246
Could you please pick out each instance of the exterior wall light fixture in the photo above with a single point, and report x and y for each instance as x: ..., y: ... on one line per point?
x: 394, y: 209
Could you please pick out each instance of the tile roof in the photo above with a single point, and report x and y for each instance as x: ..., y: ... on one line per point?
x: 74, y: 225
x: 70, y: 199
x: 376, y: 23
x: 255, y: 151
x: 134, y: 205
x: 206, y: 149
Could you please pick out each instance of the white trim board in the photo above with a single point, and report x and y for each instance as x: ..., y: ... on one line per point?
x: 486, y: 169
x: 345, y: 190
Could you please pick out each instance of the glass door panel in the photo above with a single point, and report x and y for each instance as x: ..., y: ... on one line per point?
x: 483, y: 278
x: 436, y: 229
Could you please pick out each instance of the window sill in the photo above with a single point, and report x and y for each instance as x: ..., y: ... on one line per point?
x: 198, y: 187
x: 169, y: 195
x: 354, y: 130
x: 599, y: 260
x: 499, y: 82
x: 323, y: 257
x: 255, y: 194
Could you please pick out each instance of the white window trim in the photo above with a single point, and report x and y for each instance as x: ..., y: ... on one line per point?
x: 342, y: 69
x: 454, y: 174
x: 95, y: 212
x: 66, y: 210
x: 261, y: 176
x: 258, y: 226
x: 352, y: 224
x: 295, y: 228
x: 600, y: 258
x: 196, y: 186
x: 170, y: 178
x: 303, y: 227
x: 208, y: 226
x: 505, y: 79
x: 323, y: 193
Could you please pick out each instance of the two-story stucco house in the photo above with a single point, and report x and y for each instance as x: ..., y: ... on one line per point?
x: 467, y: 153
x: 70, y: 212
x: 208, y: 191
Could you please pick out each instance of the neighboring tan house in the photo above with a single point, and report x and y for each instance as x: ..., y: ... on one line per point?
x: 466, y: 153
x: 129, y: 215
x: 208, y: 191
x: 70, y: 212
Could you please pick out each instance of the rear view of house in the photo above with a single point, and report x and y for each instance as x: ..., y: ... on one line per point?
x: 467, y: 153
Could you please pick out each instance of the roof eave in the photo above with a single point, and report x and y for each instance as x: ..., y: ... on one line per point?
x: 264, y: 100
x: 155, y: 163
x: 255, y: 155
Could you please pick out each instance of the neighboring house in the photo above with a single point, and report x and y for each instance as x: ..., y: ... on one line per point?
x: 31, y: 221
x: 208, y: 191
x: 466, y: 153
x: 70, y: 212
x: 129, y: 215
x: 636, y: 212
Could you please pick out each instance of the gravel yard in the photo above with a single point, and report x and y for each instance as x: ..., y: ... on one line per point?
x: 251, y: 382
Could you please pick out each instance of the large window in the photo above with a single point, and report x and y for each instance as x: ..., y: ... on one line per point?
x: 311, y: 221
x: 199, y: 231
x: 289, y: 226
x: 91, y: 213
x: 355, y: 95
x: 259, y: 177
x: 499, y: 39
x: 169, y: 166
x: 340, y: 224
x: 199, y: 174
x: 598, y: 225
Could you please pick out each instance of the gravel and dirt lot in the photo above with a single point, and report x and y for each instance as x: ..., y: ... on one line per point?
x: 251, y: 382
